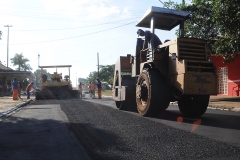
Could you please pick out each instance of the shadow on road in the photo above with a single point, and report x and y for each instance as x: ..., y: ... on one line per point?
x: 97, y: 143
x: 47, y: 139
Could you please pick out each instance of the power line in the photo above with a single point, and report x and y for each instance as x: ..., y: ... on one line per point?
x: 55, y: 14
x: 37, y: 17
x: 77, y: 36
x: 97, y: 42
x: 40, y: 8
x: 78, y: 27
x: 161, y: 2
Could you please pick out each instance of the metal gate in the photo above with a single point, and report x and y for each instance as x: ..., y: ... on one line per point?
x: 222, y: 80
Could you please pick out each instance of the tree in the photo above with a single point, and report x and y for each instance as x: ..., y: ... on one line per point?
x: 82, y: 80
x: 226, y: 15
x: 21, y: 62
x: 92, y: 76
x: 37, y: 74
x: 106, y: 74
x: 215, y: 21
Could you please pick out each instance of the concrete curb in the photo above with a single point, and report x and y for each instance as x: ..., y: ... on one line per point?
x: 209, y: 107
x: 107, y: 96
x: 214, y: 107
x: 3, y: 114
x: 236, y: 109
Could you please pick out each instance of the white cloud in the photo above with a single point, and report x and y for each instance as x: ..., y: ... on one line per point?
x: 96, y: 12
x: 80, y: 10
x: 126, y: 13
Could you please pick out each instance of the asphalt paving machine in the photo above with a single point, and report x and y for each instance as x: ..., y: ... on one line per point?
x: 177, y: 70
x: 56, y: 86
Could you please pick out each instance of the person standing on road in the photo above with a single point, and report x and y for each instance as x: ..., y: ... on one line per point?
x: 19, y: 90
x: 80, y: 89
x: 1, y: 91
x: 15, y: 88
x: 89, y: 91
x: 99, y: 86
x: 30, y: 85
x: 92, y: 90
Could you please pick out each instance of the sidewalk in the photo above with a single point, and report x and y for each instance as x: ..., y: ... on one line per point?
x: 225, y: 103
x: 7, y: 104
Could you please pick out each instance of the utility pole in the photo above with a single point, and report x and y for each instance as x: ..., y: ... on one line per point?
x: 7, y: 41
x: 98, y: 63
x: 38, y: 59
x: 76, y: 80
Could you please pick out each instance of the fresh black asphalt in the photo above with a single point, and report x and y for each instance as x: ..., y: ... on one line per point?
x: 107, y: 133
x: 215, y: 124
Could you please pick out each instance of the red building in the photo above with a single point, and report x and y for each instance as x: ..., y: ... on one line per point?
x: 228, y: 76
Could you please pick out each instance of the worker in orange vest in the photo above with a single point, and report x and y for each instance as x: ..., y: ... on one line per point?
x: 19, y: 90
x: 80, y: 89
x: 92, y: 89
x: 28, y: 89
x: 99, y: 86
x: 15, y: 89
x: 89, y: 91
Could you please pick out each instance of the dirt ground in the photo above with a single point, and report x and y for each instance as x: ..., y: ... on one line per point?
x: 224, y: 102
x: 7, y: 103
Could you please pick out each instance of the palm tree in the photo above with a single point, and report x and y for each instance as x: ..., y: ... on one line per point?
x: 21, y: 62
x: 27, y: 67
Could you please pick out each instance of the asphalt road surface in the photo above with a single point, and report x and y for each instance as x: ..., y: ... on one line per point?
x: 103, y: 132
x: 215, y: 124
x: 39, y: 132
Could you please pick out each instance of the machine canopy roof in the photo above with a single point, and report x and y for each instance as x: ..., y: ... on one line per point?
x: 165, y: 19
x: 57, y: 66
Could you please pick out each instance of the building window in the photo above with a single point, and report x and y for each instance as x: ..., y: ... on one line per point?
x: 222, y: 80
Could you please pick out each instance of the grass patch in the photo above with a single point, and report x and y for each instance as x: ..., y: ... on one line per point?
x: 107, y: 93
x: 17, y: 103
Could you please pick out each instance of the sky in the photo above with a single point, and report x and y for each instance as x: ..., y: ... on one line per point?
x: 72, y: 32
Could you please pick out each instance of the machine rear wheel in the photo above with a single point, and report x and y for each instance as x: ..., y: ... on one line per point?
x: 151, y: 93
x: 193, y: 106
x: 130, y: 103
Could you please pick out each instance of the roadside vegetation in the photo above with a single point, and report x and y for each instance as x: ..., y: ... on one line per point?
x: 216, y: 21
x: 107, y: 93
x: 106, y: 74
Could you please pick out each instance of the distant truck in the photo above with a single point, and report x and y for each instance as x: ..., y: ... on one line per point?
x: 177, y: 70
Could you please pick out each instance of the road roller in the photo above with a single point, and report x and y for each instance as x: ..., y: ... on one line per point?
x: 178, y: 70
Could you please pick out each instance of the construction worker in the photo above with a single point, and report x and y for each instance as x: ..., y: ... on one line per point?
x: 148, y: 37
x: 19, y: 90
x: 80, y: 89
x: 15, y: 88
x: 28, y: 89
x: 92, y: 89
x: 89, y: 91
x: 99, y: 86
